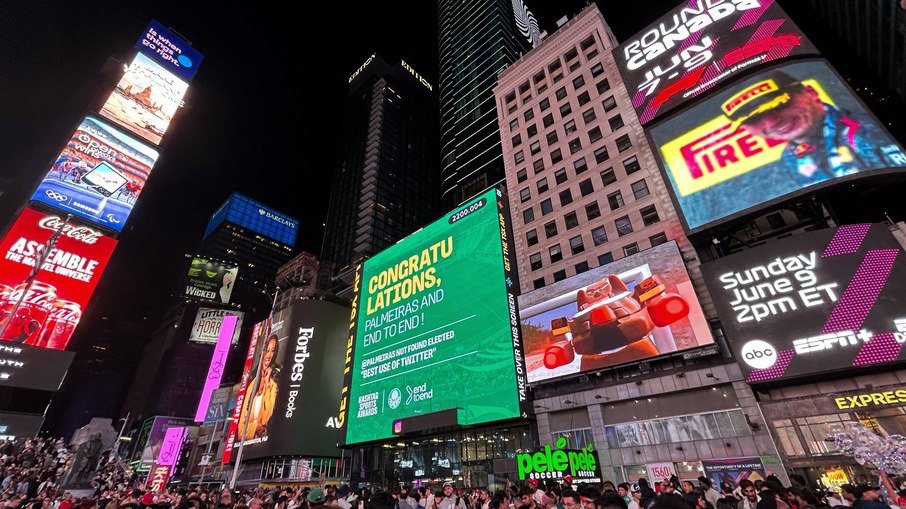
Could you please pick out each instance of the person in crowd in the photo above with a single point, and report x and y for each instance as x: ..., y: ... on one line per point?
x: 448, y: 500
x: 869, y: 497
x: 796, y: 498
x: 799, y: 482
x: 727, y: 498
x: 834, y: 499
x: 588, y: 496
x: 750, y: 497
x: 571, y: 499
x: 711, y: 495
x: 624, y: 489
x: 695, y: 500
x: 610, y: 500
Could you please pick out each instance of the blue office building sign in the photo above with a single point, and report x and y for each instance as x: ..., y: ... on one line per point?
x: 247, y: 213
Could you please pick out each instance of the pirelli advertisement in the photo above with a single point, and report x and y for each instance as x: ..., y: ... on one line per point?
x: 701, y: 44
x: 827, y: 300
x: 792, y: 128
x: 435, y: 327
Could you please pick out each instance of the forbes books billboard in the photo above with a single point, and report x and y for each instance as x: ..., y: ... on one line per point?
x: 822, y: 301
x: 291, y: 398
x: 435, y: 327
x: 766, y: 138
x: 635, y: 308
x: 701, y: 44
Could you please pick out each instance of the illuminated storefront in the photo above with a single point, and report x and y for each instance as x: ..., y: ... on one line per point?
x: 803, y: 416
x: 483, y: 457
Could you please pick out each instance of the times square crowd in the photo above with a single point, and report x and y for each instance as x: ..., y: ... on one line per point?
x: 32, y: 472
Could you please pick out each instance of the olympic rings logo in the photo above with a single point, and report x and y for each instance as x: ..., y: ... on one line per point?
x: 53, y: 195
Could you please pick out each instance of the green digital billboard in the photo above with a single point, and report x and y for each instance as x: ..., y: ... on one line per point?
x: 434, y: 327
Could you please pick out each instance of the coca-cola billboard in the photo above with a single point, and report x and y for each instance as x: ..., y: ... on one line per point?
x: 50, y: 308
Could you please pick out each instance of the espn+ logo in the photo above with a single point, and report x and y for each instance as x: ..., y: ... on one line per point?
x: 758, y: 354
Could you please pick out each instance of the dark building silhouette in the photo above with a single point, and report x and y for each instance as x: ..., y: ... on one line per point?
x: 386, y: 184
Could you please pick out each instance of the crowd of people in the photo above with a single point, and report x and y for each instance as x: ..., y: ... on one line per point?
x: 35, y: 474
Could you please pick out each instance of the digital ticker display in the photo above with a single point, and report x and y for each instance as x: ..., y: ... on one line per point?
x: 435, y: 327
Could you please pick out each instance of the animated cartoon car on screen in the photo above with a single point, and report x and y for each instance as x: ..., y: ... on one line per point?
x: 612, y: 318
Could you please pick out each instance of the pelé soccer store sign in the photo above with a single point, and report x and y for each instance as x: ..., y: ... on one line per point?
x: 559, y: 464
x: 826, y: 300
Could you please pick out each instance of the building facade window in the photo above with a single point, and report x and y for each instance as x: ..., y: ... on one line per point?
x: 601, y: 155
x: 687, y: 428
x: 631, y: 165
x: 640, y: 189
x: 542, y: 185
x: 615, y: 200
x: 576, y: 245
x: 658, y: 239
x: 624, y: 225
x: 649, y: 215
x: 571, y: 220
x: 566, y: 197
x: 598, y: 235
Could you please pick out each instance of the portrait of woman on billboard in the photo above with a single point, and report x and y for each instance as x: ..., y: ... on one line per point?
x: 261, y: 402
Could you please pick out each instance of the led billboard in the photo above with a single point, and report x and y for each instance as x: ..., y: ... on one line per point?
x: 98, y: 176
x: 827, y: 300
x: 293, y: 387
x: 434, y: 327
x: 701, y: 44
x: 217, y: 365
x: 145, y: 99
x: 211, y: 280
x: 218, y: 407
x: 255, y: 216
x: 206, y: 327
x: 770, y: 136
x: 52, y: 306
x: 169, y: 50
x: 635, y: 308
x: 157, y: 431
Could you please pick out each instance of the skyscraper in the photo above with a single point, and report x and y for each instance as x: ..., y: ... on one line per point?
x: 583, y: 183
x: 386, y: 185
x: 478, y: 38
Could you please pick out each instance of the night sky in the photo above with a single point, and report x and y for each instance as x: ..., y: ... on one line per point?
x: 268, y: 76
